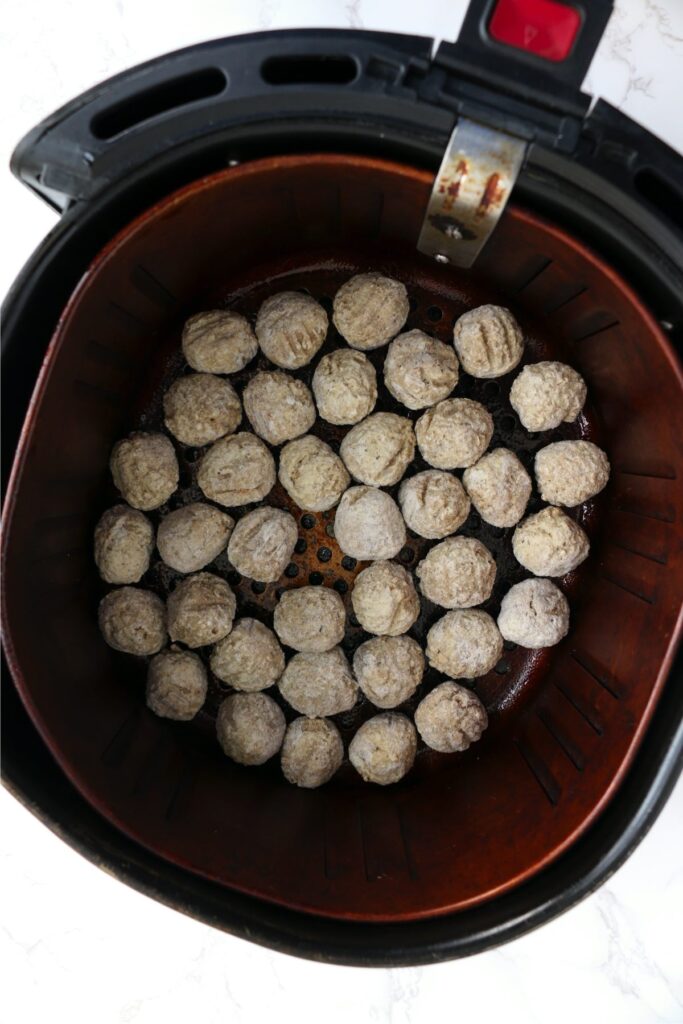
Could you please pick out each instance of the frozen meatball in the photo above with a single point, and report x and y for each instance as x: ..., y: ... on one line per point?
x: 488, y: 340
x: 200, y: 610
x: 419, y: 370
x: 384, y: 599
x: 279, y: 407
x: 176, y: 685
x: 499, y: 487
x: 570, y: 472
x: 192, y: 536
x: 312, y: 474
x: 433, y: 503
x: 389, y: 669
x: 249, y: 658
x: 310, y: 619
x: 262, y: 543
x: 144, y: 469
x: 547, y: 394
x: 370, y: 310
x: 290, y: 328
x: 379, y: 450
x: 218, y: 341
x: 450, y: 718
x: 457, y: 573
x: 454, y: 434
x: 383, y: 750
x: 368, y: 524
x: 319, y: 684
x: 345, y: 387
x: 200, y: 408
x: 250, y: 727
x: 237, y: 470
x: 464, y: 644
x: 124, y: 542
x: 549, y: 543
x: 311, y: 753
x: 133, y: 620
x: 534, y: 613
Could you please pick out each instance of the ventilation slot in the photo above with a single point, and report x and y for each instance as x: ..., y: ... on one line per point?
x: 309, y: 70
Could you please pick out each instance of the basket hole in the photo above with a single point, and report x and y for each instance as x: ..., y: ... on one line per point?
x: 279, y: 592
x: 503, y: 667
x: 508, y: 423
x: 491, y: 388
x: 308, y: 521
x: 434, y: 314
x: 341, y: 586
x: 300, y: 546
x: 234, y: 578
x: 329, y: 529
x: 406, y: 554
x: 258, y: 587
x: 324, y: 554
x: 291, y: 571
x: 348, y: 563
x: 315, y: 579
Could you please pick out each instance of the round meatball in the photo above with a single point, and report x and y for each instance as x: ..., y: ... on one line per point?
x: 249, y: 658
x: 200, y: 408
x: 262, y: 543
x: 570, y: 472
x: 454, y: 434
x: 534, y: 613
x: 433, y: 503
x: 457, y: 573
x: 200, y: 610
x: 310, y: 619
x: 389, y: 669
x: 319, y: 684
x: 124, y: 542
x: 368, y: 524
x: 192, y: 536
x: 488, y: 340
x: 547, y: 394
x: 312, y: 474
x: 345, y: 387
x: 450, y: 718
x: 384, y: 599
x: 464, y: 644
x: 144, y: 469
x: 499, y: 487
x: 250, y: 727
x: 311, y: 753
x: 133, y: 620
x: 218, y: 341
x: 383, y: 750
x: 279, y: 407
x: 419, y: 370
x: 549, y: 543
x: 370, y: 310
x: 176, y: 685
x: 290, y: 328
x: 237, y: 470
x: 379, y: 450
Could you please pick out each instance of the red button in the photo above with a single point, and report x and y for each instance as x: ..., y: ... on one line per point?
x: 544, y: 27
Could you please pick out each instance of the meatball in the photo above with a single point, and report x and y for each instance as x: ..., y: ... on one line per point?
x: 534, y: 613
x: 345, y: 387
x: 312, y: 474
x: 450, y: 718
x: 433, y: 503
x: 249, y: 658
x: 499, y: 487
x: 319, y: 684
x: 454, y: 434
x: 124, y: 542
x: 379, y: 450
x: 488, y: 340
x: 250, y: 727
x: 237, y: 470
x: 419, y: 370
x: 368, y: 524
x: 262, y: 543
x: 570, y: 472
x: 370, y: 310
x: 144, y: 469
x: 311, y: 753
x: 550, y: 543
x: 384, y: 599
x: 218, y: 341
x: 200, y: 408
x: 457, y: 573
x: 464, y: 644
x: 133, y: 620
x: 176, y: 685
x: 200, y: 610
x: 310, y: 619
x: 192, y: 536
x: 383, y: 750
x: 547, y: 394
x: 389, y: 669
x: 290, y: 328
x: 279, y: 407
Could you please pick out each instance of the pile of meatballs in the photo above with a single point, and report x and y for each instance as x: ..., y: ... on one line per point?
x: 299, y: 650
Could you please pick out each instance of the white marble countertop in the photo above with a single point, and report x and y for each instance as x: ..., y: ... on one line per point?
x: 78, y: 946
